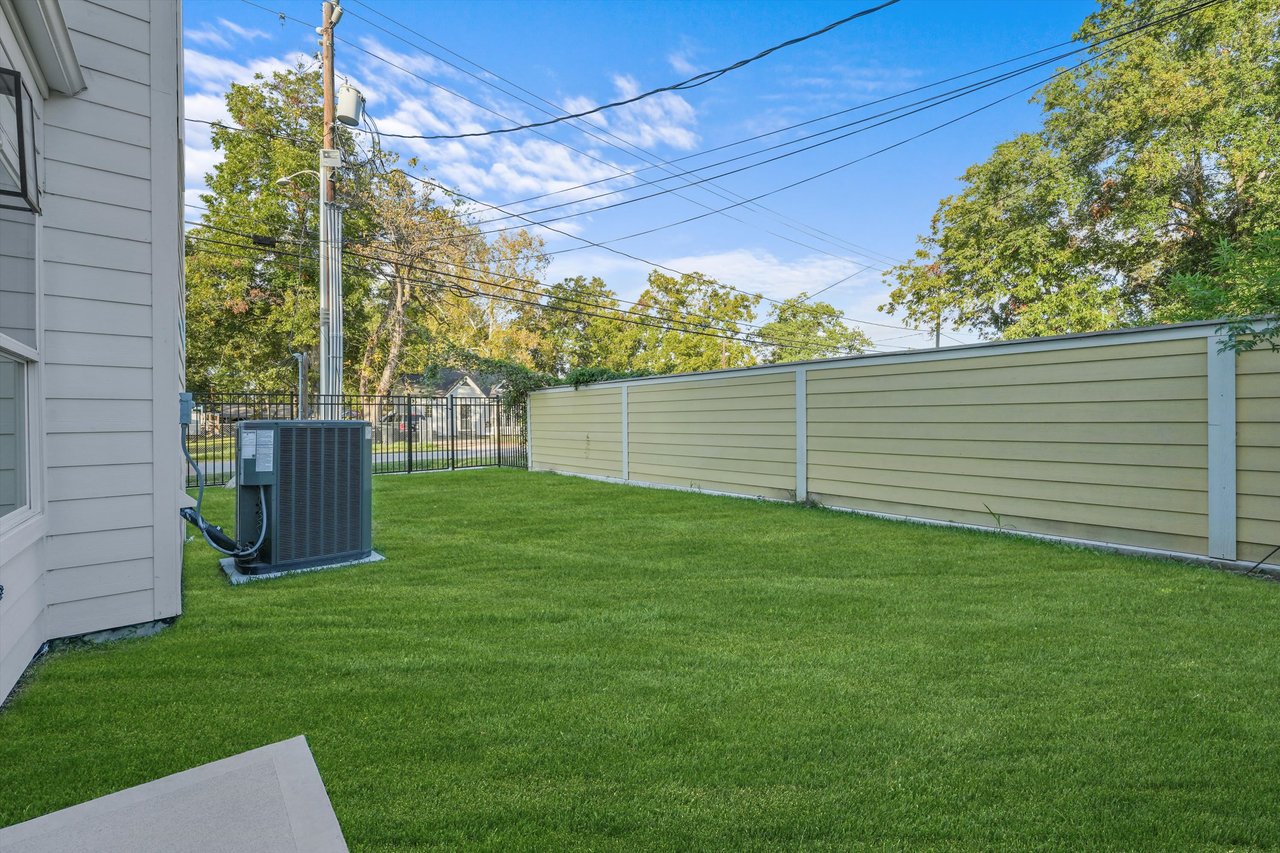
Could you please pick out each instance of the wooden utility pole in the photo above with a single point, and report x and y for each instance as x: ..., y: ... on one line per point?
x: 326, y: 57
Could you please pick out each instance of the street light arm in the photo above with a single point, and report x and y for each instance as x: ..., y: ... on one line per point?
x: 287, y: 179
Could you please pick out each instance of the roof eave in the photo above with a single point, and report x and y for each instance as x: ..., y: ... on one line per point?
x: 43, y: 28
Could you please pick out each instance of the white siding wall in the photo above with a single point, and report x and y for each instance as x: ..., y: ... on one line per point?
x: 17, y: 276
x: 111, y: 277
x: 22, y: 607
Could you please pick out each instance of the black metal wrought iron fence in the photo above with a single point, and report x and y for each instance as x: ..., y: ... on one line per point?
x: 410, y: 434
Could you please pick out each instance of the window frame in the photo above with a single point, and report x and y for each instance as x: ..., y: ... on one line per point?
x: 27, y: 196
x: 24, y: 527
x: 26, y: 447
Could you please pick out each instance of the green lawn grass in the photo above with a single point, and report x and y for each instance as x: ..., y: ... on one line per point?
x: 547, y: 662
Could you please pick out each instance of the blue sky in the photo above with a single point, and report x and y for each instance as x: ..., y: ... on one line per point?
x: 579, y: 54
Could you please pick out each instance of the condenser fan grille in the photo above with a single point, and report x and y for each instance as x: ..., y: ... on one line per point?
x: 318, y: 492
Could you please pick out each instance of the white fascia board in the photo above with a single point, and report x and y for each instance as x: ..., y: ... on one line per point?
x: 18, y: 348
x: 46, y: 32
x: 14, y: 43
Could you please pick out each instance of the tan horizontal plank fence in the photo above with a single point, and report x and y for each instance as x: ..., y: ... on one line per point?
x: 1149, y: 439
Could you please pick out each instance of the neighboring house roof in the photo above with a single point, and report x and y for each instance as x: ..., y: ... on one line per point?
x: 453, y: 383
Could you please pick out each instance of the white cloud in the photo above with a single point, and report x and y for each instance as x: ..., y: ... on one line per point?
x: 208, y: 79
x: 496, y: 169
x: 215, y: 74
x: 208, y: 36
x: 762, y: 272
x: 505, y: 167
x: 245, y: 33
x: 679, y: 62
x: 664, y: 119
x: 224, y: 34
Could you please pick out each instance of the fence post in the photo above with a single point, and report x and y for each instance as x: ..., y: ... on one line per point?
x: 497, y: 429
x: 453, y: 435
x: 411, y: 430
x: 802, y: 435
x: 1221, y: 371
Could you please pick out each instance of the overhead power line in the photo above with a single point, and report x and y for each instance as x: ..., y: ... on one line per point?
x: 775, y: 131
x: 841, y: 166
x: 602, y: 245
x: 267, y: 243
x: 1114, y: 33
x: 692, y: 83
x: 1185, y: 10
x: 684, y: 327
x: 921, y: 106
x: 813, y: 231
x: 586, y: 242
x: 619, y: 252
x: 1110, y: 33
x: 602, y: 134
x: 654, y: 264
x: 928, y: 104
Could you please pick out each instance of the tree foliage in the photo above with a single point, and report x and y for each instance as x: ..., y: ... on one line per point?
x: 248, y: 309
x: 583, y: 328
x: 417, y: 278
x: 1243, y: 280
x: 715, y: 314
x: 423, y: 288
x: 1160, y: 147
x: 804, y: 330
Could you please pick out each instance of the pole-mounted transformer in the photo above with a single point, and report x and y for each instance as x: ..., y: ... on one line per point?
x: 350, y: 105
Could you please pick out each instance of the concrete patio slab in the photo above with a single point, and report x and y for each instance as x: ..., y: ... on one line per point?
x: 261, y: 801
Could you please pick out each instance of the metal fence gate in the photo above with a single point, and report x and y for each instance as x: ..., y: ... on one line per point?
x: 410, y: 434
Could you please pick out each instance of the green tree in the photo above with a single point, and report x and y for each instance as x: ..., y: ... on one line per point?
x: 493, y: 295
x: 799, y: 330
x: 1243, y: 281
x: 582, y: 327
x: 247, y: 308
x: 696, y: 324
x: 418, y: 280
x: 1159, y: 147
x: 412, y: 235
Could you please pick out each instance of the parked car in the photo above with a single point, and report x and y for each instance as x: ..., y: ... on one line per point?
x: 399, y: 426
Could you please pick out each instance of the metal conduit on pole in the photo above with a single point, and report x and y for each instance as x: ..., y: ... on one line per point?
x: 330, y: 234
x: 346, y: 106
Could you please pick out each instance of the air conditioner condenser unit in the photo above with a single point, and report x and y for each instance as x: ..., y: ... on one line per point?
x: 310, y: 482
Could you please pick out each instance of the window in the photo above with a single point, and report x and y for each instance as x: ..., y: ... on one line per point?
x: 17, y: 144
x: 13, y: 438
x: 18, y: 342
x: 18, y: 277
